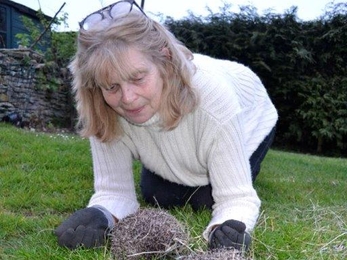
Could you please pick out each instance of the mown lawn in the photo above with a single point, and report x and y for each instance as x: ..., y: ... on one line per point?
x: 46, y: 177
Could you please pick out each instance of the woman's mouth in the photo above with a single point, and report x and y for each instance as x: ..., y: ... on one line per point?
x: 134, y: 111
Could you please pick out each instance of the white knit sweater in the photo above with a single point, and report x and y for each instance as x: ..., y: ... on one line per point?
x: 211, y: 145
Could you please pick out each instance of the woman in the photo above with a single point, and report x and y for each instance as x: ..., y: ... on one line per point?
x: 199, y: 126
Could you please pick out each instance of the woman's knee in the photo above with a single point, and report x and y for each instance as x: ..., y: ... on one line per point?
x: 160, y: 192
x: 202, y: 198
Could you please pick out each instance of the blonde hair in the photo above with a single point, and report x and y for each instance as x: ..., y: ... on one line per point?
x: 101, y: 52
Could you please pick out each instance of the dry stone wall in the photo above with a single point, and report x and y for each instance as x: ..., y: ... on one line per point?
x: 38, y: 92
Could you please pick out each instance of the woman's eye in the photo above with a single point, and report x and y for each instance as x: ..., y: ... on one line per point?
x: 138, y: 79
x: 113, y: 88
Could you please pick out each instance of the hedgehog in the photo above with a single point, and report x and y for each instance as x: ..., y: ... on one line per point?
x: 149, y: 233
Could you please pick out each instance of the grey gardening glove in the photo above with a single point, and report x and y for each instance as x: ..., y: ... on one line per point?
x: 86, y: 227
x: 230, y: 234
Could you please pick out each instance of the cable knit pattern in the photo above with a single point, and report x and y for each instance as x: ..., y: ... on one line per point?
x: 211, y: 145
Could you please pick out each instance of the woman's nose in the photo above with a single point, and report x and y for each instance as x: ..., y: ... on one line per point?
x: 128, y: 94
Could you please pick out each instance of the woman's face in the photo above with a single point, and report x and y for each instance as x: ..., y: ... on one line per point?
x: 138, y: 97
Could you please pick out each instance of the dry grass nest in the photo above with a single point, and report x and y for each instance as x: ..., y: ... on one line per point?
x: 155, y: 234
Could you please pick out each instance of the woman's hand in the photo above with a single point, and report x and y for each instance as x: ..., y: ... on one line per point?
x: 86, y: 227
x: 230, y: 234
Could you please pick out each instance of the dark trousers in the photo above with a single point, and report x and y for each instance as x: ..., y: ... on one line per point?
x: 165, y: 194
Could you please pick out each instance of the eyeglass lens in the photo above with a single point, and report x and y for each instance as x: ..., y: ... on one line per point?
x: 118, y: 10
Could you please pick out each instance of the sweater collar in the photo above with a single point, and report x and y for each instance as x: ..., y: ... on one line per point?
x: 153, y: 121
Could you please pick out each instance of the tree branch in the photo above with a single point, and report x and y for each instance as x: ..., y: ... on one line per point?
x: 46, y: 29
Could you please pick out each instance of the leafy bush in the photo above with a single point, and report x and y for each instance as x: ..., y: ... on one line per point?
x: 57, y: 46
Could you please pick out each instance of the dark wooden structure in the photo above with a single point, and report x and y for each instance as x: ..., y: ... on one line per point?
x: 11, y: 22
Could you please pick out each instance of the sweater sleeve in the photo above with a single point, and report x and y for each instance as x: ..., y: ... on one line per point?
x: 238, y: 115
x: 230, y: 177
x: 113, y: 178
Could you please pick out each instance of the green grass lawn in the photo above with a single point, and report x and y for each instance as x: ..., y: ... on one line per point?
x: 46, y: 177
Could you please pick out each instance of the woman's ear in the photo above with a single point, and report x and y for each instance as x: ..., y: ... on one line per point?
x: 166, y: 52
